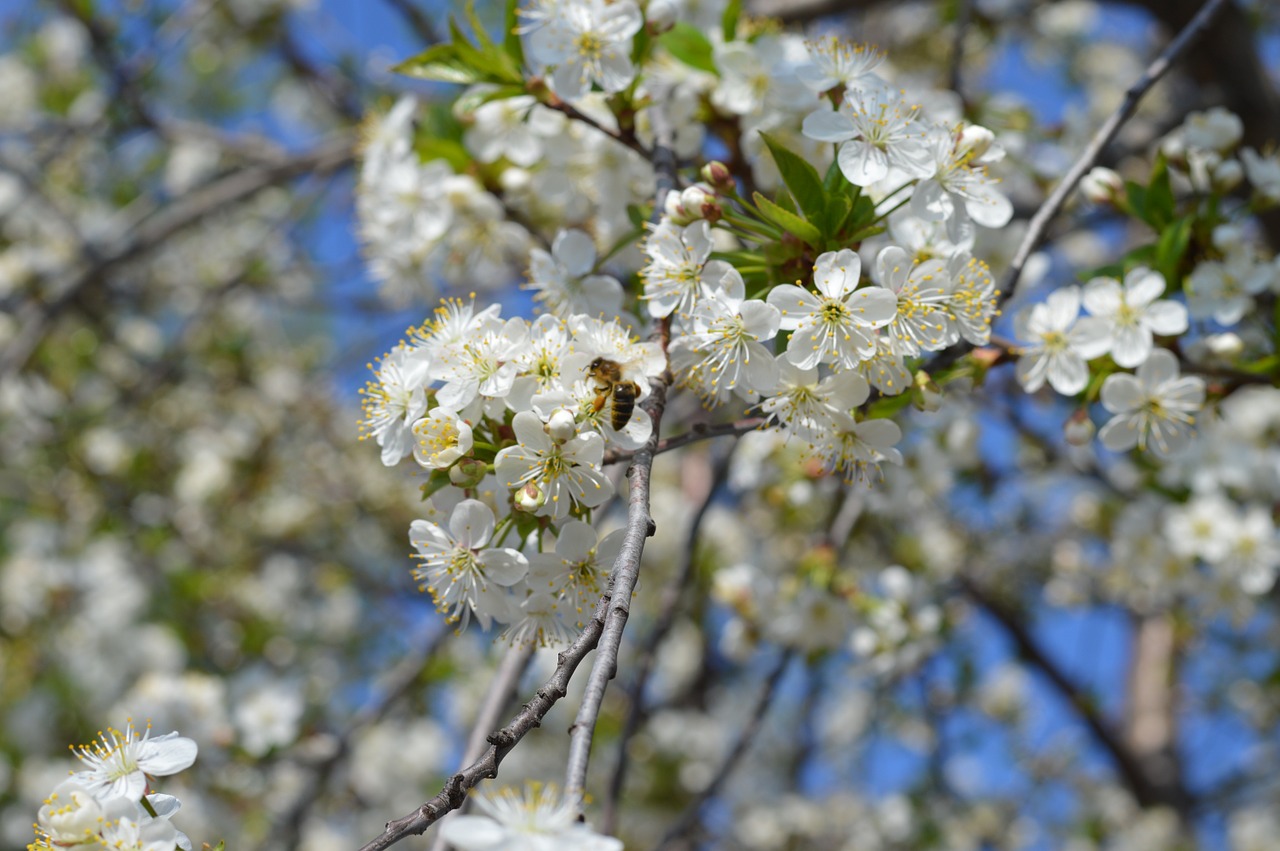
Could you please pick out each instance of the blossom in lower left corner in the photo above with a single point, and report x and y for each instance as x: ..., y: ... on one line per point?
x: 537, y: 819
x: 119, y: 762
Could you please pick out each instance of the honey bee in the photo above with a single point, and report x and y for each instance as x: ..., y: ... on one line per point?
x: 609, y: 384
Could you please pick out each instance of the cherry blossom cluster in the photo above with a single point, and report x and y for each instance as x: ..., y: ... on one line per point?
x: 507, y: 414
x: 109, y: 804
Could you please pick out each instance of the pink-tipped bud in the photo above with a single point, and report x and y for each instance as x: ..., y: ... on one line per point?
x: 1078, y: 429
x: 468, y: 472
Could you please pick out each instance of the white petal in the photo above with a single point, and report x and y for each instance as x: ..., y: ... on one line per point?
x: 474, y: 833
x: 1102, y: 296
x: 1122, y: 393
x: 504, y: 566
x: 825, y: 126
x: 862, y: 164
x: 575, y: 251
x: 471, y: 524
x: 1131, y: 346
x: 1143, y: 286
x: 1068, y: 374
x: 1120, y: 434
x: 1160, y: 367
x: 1166, y: 318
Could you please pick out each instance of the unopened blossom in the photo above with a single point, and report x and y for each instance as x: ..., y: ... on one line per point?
x: 1153, y: 409
x: 440, y: 439
x: 564, y: 281
x: 877, y: 131
x: 836, y: 62
x: 961, y: 190
x: 538, y: 819
x: 724, y: 353
x: 586, y: 42
x: 119, y: 762
x: 1058, y: 344
x: 461, y: 571
x: 1102, y: 185
x: 673, y: 275
x: 568, y: 474
x: 1131, y: 314
x: 394, y: 401
x: 836, y: 325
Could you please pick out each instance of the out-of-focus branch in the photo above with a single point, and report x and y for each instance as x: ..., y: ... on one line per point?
x: 1108, y: 130
x: 35, y: 317
x: 628, y: 139
x: 1132, y: 770
x: 668, y: 608
x: 626, y: 570
x: 501, y: 692
x: 737, y: 750
x: 396, y: 684
x: 417, y: 20
x: 1149, y: 725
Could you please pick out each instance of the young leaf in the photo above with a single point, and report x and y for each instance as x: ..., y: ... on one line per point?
x: 729, y: 20
x: 788, y: 221
x: 1159, y: 196
x: 440, y: 62
x: 801, y: 179
x: 511, y: 39
x: 1170, y: 249
x: 688, y: 44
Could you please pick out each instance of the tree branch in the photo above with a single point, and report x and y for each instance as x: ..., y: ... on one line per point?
x: 695, y: 434
x: 668, y: 609
x: 1091, y: 152
x: 1144, y: 788
x: 501, y: 692
x: 34, y: 318
x: 639, y: 523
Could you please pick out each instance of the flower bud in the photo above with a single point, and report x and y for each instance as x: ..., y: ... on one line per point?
x: 693, y: 203
x: 1101, y: 185
x: 530, y: 498
x: 468, y: 472
x: 975, y: 140
x: 660, y: 16
x: 1078, y: 429
x: 717, y: 174
x: 562, y: 426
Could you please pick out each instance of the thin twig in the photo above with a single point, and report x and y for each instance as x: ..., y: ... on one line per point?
x: 628, y: 139
x: 697, y: 433
x: 737, y: 750
x: 501, y: 692
x: 639, y: 523
x: 394, y: 686
x: 668, y: 608
x: 35, y: 317
x: 417, y: 20
x: 1091, y: 152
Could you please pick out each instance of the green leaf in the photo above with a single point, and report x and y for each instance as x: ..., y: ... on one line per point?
x: 1159, y: 196
x: 1137, y: 195
x: 476, y: 98
x: 834, y: 178
x: 438, y: 480
x: 688, y: 44
x: 430, y: 148
x: 788, y: 221
x: 511, y: 39
x: 729, y: 20
x: 441, y: 62
x: 1170, y: 249
x: 802, y: 181
x: 887, y: 406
